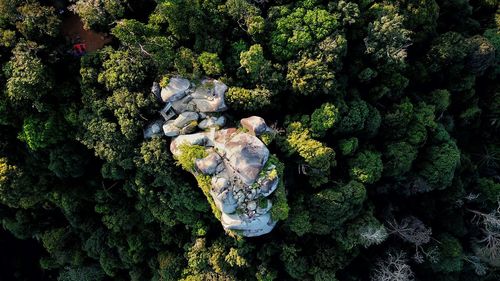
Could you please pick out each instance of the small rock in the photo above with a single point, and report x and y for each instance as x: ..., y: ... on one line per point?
x: 212, y: 122
x: 154, y: 129
x: 271, y: 167
x: 170, y: 130
x: 185, y: 118
x: 268, y: 186
x: 207, y: 123
x: 253, y: 193
x: 219, y: 184
x: 240, y: 193
x: 252, y: 205
x: 221, y: 121
x: 192, y: 139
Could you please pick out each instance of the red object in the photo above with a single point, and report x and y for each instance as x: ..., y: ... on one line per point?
x: 80, y: 48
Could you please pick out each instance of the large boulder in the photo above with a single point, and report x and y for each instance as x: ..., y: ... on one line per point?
x: 176, y: 89
x: 256, y: 226
x: 246, y: 156
x: 255, y: 125
x: 209, y: 96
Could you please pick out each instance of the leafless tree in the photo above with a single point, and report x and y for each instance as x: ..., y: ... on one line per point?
x: 415, y: 186
x: 469, y: 198
x: 489, y: 244
x: 372, y: 235
x: 479, y: 267
x: 488, y: 158
x: 393, y: 268
x: 276, y: 129
x: 414, y: 231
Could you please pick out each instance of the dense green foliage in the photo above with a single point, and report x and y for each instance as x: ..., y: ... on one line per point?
x: 386, y: 127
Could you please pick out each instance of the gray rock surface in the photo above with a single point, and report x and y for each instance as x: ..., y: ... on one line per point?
x: 225, y: 201
x: 185, y: 118
x: 208, y: 122
x: 236, y: 160
x: 170, y: 130
x: 176, y: 89
x: 260, y: 225
x: 219, y: 184
x: 189, y: 128
x: 255, y: 125
x: 208, y: 164
x: 209, y: 97
x: 246, y: 156
x: 183, y: 104
x: 153, y: 129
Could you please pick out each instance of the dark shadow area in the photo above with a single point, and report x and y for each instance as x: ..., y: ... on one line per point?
x: 19, y: 259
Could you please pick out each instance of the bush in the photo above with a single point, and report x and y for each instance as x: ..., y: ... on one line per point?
x: 211, y: 63
x: 366, y: 166
x: 248, y: 100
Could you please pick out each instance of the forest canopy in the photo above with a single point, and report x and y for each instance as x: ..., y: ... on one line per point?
x: 386, y: 121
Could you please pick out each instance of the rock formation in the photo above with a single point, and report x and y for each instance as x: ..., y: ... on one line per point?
x: 240, y: 172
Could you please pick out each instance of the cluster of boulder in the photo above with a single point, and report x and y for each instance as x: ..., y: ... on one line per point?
x: 194, y: 106
x: 237, y: 161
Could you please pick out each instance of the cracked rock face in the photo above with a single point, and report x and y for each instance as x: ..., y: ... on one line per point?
x: 236, y: 161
